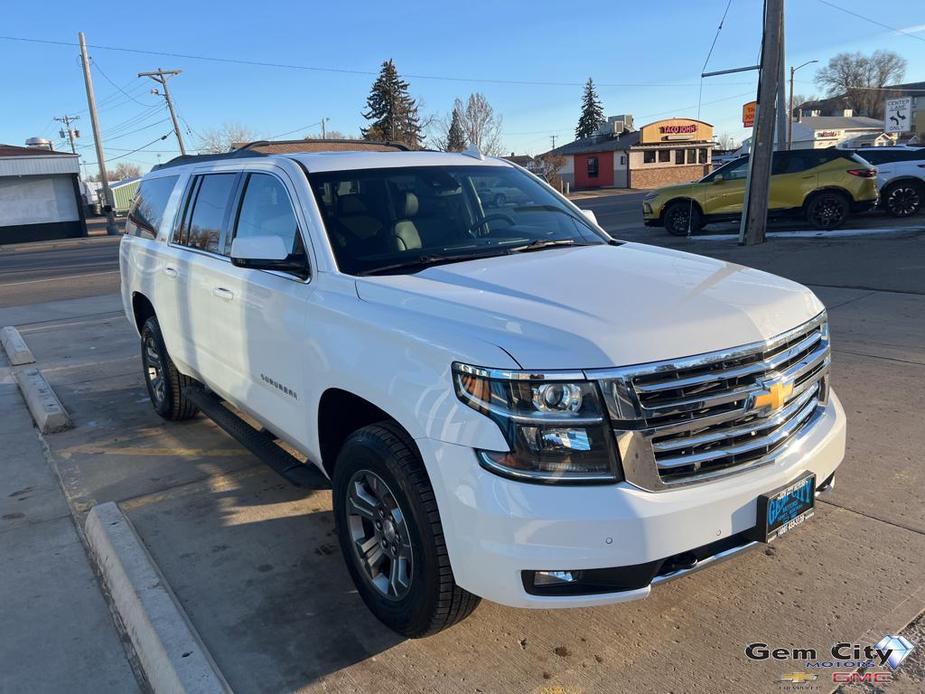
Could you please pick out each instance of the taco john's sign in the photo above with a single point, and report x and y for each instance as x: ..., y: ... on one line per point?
x: 675, y: 129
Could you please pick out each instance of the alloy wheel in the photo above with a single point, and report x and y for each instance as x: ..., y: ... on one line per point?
x: 903, y: 201
x: 154, y: 368
x: 380, y: 535
x: 828, y: 213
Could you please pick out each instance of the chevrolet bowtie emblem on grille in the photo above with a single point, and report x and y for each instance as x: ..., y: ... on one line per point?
x: 773, y: 396
x: 797, y: 677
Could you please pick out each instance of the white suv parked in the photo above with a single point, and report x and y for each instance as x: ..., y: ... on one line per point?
x: 900, y: 177
x: 509, y: 404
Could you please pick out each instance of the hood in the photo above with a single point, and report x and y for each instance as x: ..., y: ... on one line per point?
x: 671, y: 191
x: 599, y: 306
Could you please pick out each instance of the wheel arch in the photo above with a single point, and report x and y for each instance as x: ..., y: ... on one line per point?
x: 340, y: 413
x: 827, y: 189
x: 685, y: 200
x: 142, y: 310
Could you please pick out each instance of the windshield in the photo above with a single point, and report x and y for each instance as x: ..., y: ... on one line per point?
x: 404, y: 219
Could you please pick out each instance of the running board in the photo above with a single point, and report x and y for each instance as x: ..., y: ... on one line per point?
x: 260, y: 443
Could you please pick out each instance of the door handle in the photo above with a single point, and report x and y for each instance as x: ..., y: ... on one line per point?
x: 223, y: 293
x: 170, y: 271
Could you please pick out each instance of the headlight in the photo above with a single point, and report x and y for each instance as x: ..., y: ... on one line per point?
x: 554, y: 424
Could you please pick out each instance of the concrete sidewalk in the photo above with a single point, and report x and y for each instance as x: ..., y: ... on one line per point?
x: 58, y: 634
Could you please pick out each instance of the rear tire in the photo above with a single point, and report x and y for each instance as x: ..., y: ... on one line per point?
x: 828, y: 210
x: 166, y: 386
x: 683, y: 218
x: 903, y: 198
x: 391, y: 536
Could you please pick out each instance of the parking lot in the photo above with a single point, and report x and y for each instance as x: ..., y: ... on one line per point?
x: 255, y: 564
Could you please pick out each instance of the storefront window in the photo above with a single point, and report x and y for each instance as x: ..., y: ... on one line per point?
x: 592, y: 167
x: 648, y: 157
x: 702, y: 156
x: 692, y: 156
x: 679, y: 156
x: 664, y: 156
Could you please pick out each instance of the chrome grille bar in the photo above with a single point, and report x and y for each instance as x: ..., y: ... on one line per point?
x: 689, y: 420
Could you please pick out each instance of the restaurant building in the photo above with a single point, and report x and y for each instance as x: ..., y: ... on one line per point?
x: 674, y: 150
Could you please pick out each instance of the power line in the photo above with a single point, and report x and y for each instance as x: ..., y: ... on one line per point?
x: 95, y: 64
x: 121, y: 156
x: 872, y: 21
x: 346, y: 71
x: 295, y: 130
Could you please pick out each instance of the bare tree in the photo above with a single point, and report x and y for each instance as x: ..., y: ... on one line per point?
x: 226, y: 138
x: 548, y: 166
x: 481, y: 126
x: 860, y: 79
x: 725, y: 141
x: 331, y: 135
x: 122, y: 171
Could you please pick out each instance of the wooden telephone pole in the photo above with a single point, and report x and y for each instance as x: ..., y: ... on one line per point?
x: 107, y: 206
x: 161, y: 77
x: 757, y: 186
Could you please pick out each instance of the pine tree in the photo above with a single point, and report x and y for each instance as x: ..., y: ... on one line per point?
x: 455, y: 139
x: 592, y: 112
x: 391, y: 110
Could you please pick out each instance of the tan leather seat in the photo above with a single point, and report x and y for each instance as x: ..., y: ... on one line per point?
x: 405, y: 232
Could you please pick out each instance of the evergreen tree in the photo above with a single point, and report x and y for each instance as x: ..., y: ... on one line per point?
x: 455, y: 139
x: 391, y: 110
x: 592, y: 112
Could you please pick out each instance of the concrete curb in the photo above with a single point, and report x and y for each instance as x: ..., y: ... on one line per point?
x: 171, y: 653
x: 47, y: 411
x: 16, y: 348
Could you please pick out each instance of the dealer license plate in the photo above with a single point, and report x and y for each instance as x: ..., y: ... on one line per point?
x: 784, y: 509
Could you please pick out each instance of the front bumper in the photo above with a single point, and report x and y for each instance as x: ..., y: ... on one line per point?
x: 496, y: 528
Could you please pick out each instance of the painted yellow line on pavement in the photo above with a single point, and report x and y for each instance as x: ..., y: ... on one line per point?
x: 153, y: 452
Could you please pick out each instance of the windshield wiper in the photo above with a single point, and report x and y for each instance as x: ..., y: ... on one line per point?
x: 426, y: 261
x: 539, y: 244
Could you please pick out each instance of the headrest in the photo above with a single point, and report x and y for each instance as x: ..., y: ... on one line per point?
x: 353, y: 204
x: 411, y: 205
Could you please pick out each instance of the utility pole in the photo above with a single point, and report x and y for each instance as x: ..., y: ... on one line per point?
x: 790, y: 110
x: 111, y: 227
x: 553, y: 138
x: 758, y: 183
x: 782, y: 117
x: 323, y: 134
x: 71, y: 133
x: 161, y: 77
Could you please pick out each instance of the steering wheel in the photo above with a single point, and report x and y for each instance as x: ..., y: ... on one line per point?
x: 487, y: 218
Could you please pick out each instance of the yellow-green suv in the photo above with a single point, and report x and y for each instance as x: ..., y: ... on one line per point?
x: 823, y: 185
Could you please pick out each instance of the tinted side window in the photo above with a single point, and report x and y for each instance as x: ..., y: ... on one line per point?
x: 267, y: 211
x: 147, y: 210
x: 208, y: 215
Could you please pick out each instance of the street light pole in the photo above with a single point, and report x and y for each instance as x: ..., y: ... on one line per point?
x: 790, y: 110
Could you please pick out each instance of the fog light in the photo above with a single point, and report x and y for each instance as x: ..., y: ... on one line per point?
x: 555, y: 578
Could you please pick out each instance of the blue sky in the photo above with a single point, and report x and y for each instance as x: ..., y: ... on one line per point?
x: 652, y: 54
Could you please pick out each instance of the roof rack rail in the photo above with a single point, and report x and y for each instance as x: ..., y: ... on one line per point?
x: 240, y: 153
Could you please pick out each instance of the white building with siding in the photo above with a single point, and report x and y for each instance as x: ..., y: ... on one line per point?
x: 39, y: 195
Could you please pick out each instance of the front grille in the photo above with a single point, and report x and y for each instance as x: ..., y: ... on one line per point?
x: 719, y: 413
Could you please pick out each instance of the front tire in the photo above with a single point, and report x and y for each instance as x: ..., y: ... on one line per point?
x: 166, y: 386
x: 683, y: 218
x: 903, y: 198
x: 391, y: 536
x: 828, y: 210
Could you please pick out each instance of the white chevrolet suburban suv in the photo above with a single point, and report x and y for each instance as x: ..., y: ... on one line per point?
x: 508, y: 403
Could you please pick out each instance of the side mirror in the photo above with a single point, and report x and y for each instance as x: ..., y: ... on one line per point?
x: 266, y: 253
x: 719, y: 179
x: 590, y: 216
